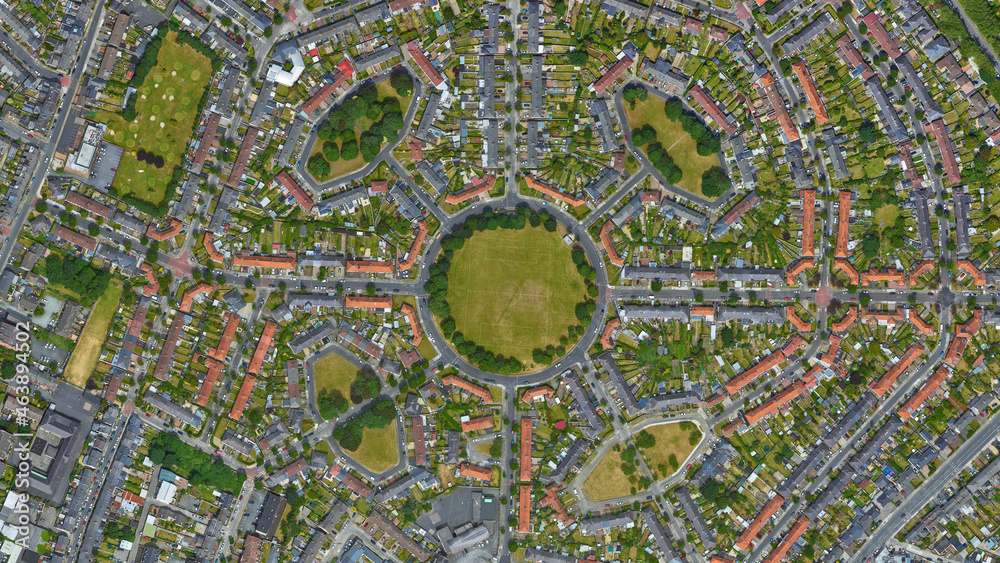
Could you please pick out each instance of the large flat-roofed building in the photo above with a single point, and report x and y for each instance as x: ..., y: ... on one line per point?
x: 58, y: 442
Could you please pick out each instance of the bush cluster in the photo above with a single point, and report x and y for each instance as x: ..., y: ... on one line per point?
x: 198, y: 467
x: 78, y: 276
x: 379, y: 415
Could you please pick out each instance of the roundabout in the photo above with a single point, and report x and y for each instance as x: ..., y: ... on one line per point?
x: 513, y: 293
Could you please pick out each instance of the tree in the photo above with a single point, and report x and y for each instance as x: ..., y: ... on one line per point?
x: 673, y: 109
x: 331, y: 152
x: 714, y: 182
x: 645, y: 440
x: 634, y: 93
x: 870, y: 245
x: 318, y: 167
x: 867, y: 132
x: 402, y: 84
x: 579, y: 58
x: 656, y: 285
x: 349, y: 150
x: 864, y: 300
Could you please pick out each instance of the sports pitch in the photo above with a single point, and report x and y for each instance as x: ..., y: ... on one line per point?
x: 512, y: 291
x: 166, y: 110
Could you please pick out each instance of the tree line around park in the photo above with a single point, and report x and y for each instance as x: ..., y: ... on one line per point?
x: 78, y: 276
x: 714, y: 182
x: 385, y: 115
x: 379, y: 415
x: 195, y: 465
x: 332, y: 403
x: 437, y: 290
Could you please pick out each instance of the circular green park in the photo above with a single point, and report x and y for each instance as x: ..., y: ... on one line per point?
x: 509, y: 293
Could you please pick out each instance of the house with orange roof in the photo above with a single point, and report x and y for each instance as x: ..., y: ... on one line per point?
x: 214, y: 254
x: 211, y: 377
x: 524, y: 509
x: 366, y: 302
x: 702, y: 312
x: 172, y: 229
x: 801, y: 525
x: 778, y: 103
x: 972, y: 325
x: 920, y: 324
x: 891, y: 276
x: 411, y: 318
x: 746, y: 538
x: 703, y: 275
x: 152, y: 286
x: 548, y: 190
x: 800, y: 265
x: 843, y: 224
x: 828, y: 358
x: 563, y: 519
x: 475, y: 472
x: 542, y: 392
x: 793, y: 344
x: 808, y: 222
x: 882, y: 386
x: 977, y: 275
x: 222, y: 350
x: 241, y: 400
x: 755, y: 371
x: 922, y: 268
x: 609, y: 245
x: 843, y: 265
x: 527, y: 435
x: 295, y: 190
x: 956, y: 349
x: 187, y: 301
x: 924, y: 393
x: 473, y: 424
x: 416, y: 149
x: 719, y: 558
x: 478, y: 186
x: 468, y: 387
x: 845, y: 324
x: 369, y: 267
x: 263, y: 345
x: 775, y: 403
x: 414, y: 252
x: 883, y: 318
x: 609, y: 330
x: 815, y: 101
x: 796, y: 320
x: 248, y: 260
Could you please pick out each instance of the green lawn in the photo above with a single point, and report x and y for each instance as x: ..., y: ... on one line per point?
x: 166, y: 110
x: 607, y: 480
x: 670, y: 440
x: 378, y: 451
x: 335, y: 374
x: 88, y: 347
x: 678, y: 144
x: 885, y: 216
x: 513, y: 291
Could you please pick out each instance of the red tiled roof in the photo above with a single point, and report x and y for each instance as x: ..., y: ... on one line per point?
x: 369, y: 267
x: 241, y: 399
x: 425, y: 65
x: 366, y: 302
x: 480, y: 423
x: 845, y: 324
x: 534, y: 184
x: 755, y: 371
x: 211, y: 377
x: 612, y: 325
x: 526, y: 444
x: 300, y: 195
x: 852, y: 56
x: 524, y: 509
x: 411, y: 318
x: 317, y: 99
x: 169, y: 348
x: 975, y: 273
x: 543, y: 391
x: 173, y: 229
x: 876, y: 28
x: 882, y: 386
x: 476, y: 187
x: 830, y: 356
x: 614, y: 73
x: 787, y: 395
x: 551, y: 500
x: 475, y: 472
x: 265, y: 261
x: 815, y: 101
x: 951, y: 166
x: 765, y: 514
x: 713, y: 109
x: 469, y: 387
x: 214, y: 254
x: 152, y: 286
x: 207, y: 138
x: 778, y: 103
x: 808, y: 222
x: 848, y: 268
x: 922, y: 268
x: 187, y: 301
x: 799, y: 528
x: 91, y: 206
x: 243, y: 158
x: 609, y: 245
x: 263, y: 345
x: 797, y: 268
x: 796, y: 320
x: 920, y: 324
x: 928, y: 389
x: 415, y: 246
x: 71, y: 236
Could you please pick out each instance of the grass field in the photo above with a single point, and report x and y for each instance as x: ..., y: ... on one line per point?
x: 166, y: 110
x: 513, y: 291
x: 378, y: 451
x: 670, y: 440
x: 607, y: 480
x: 336, y: 374
x: 678, y: 144
x: 885, y: 216
x: 88, y: 347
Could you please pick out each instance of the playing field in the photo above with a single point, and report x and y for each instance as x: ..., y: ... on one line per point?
x: 378, y: 450
x: 512, y: 291
x: 88, y: 347
x: 607, y: 480
x: 670, y: 440
x: 336, y: 374
x: 679, y: 145
x: 166, y: 110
